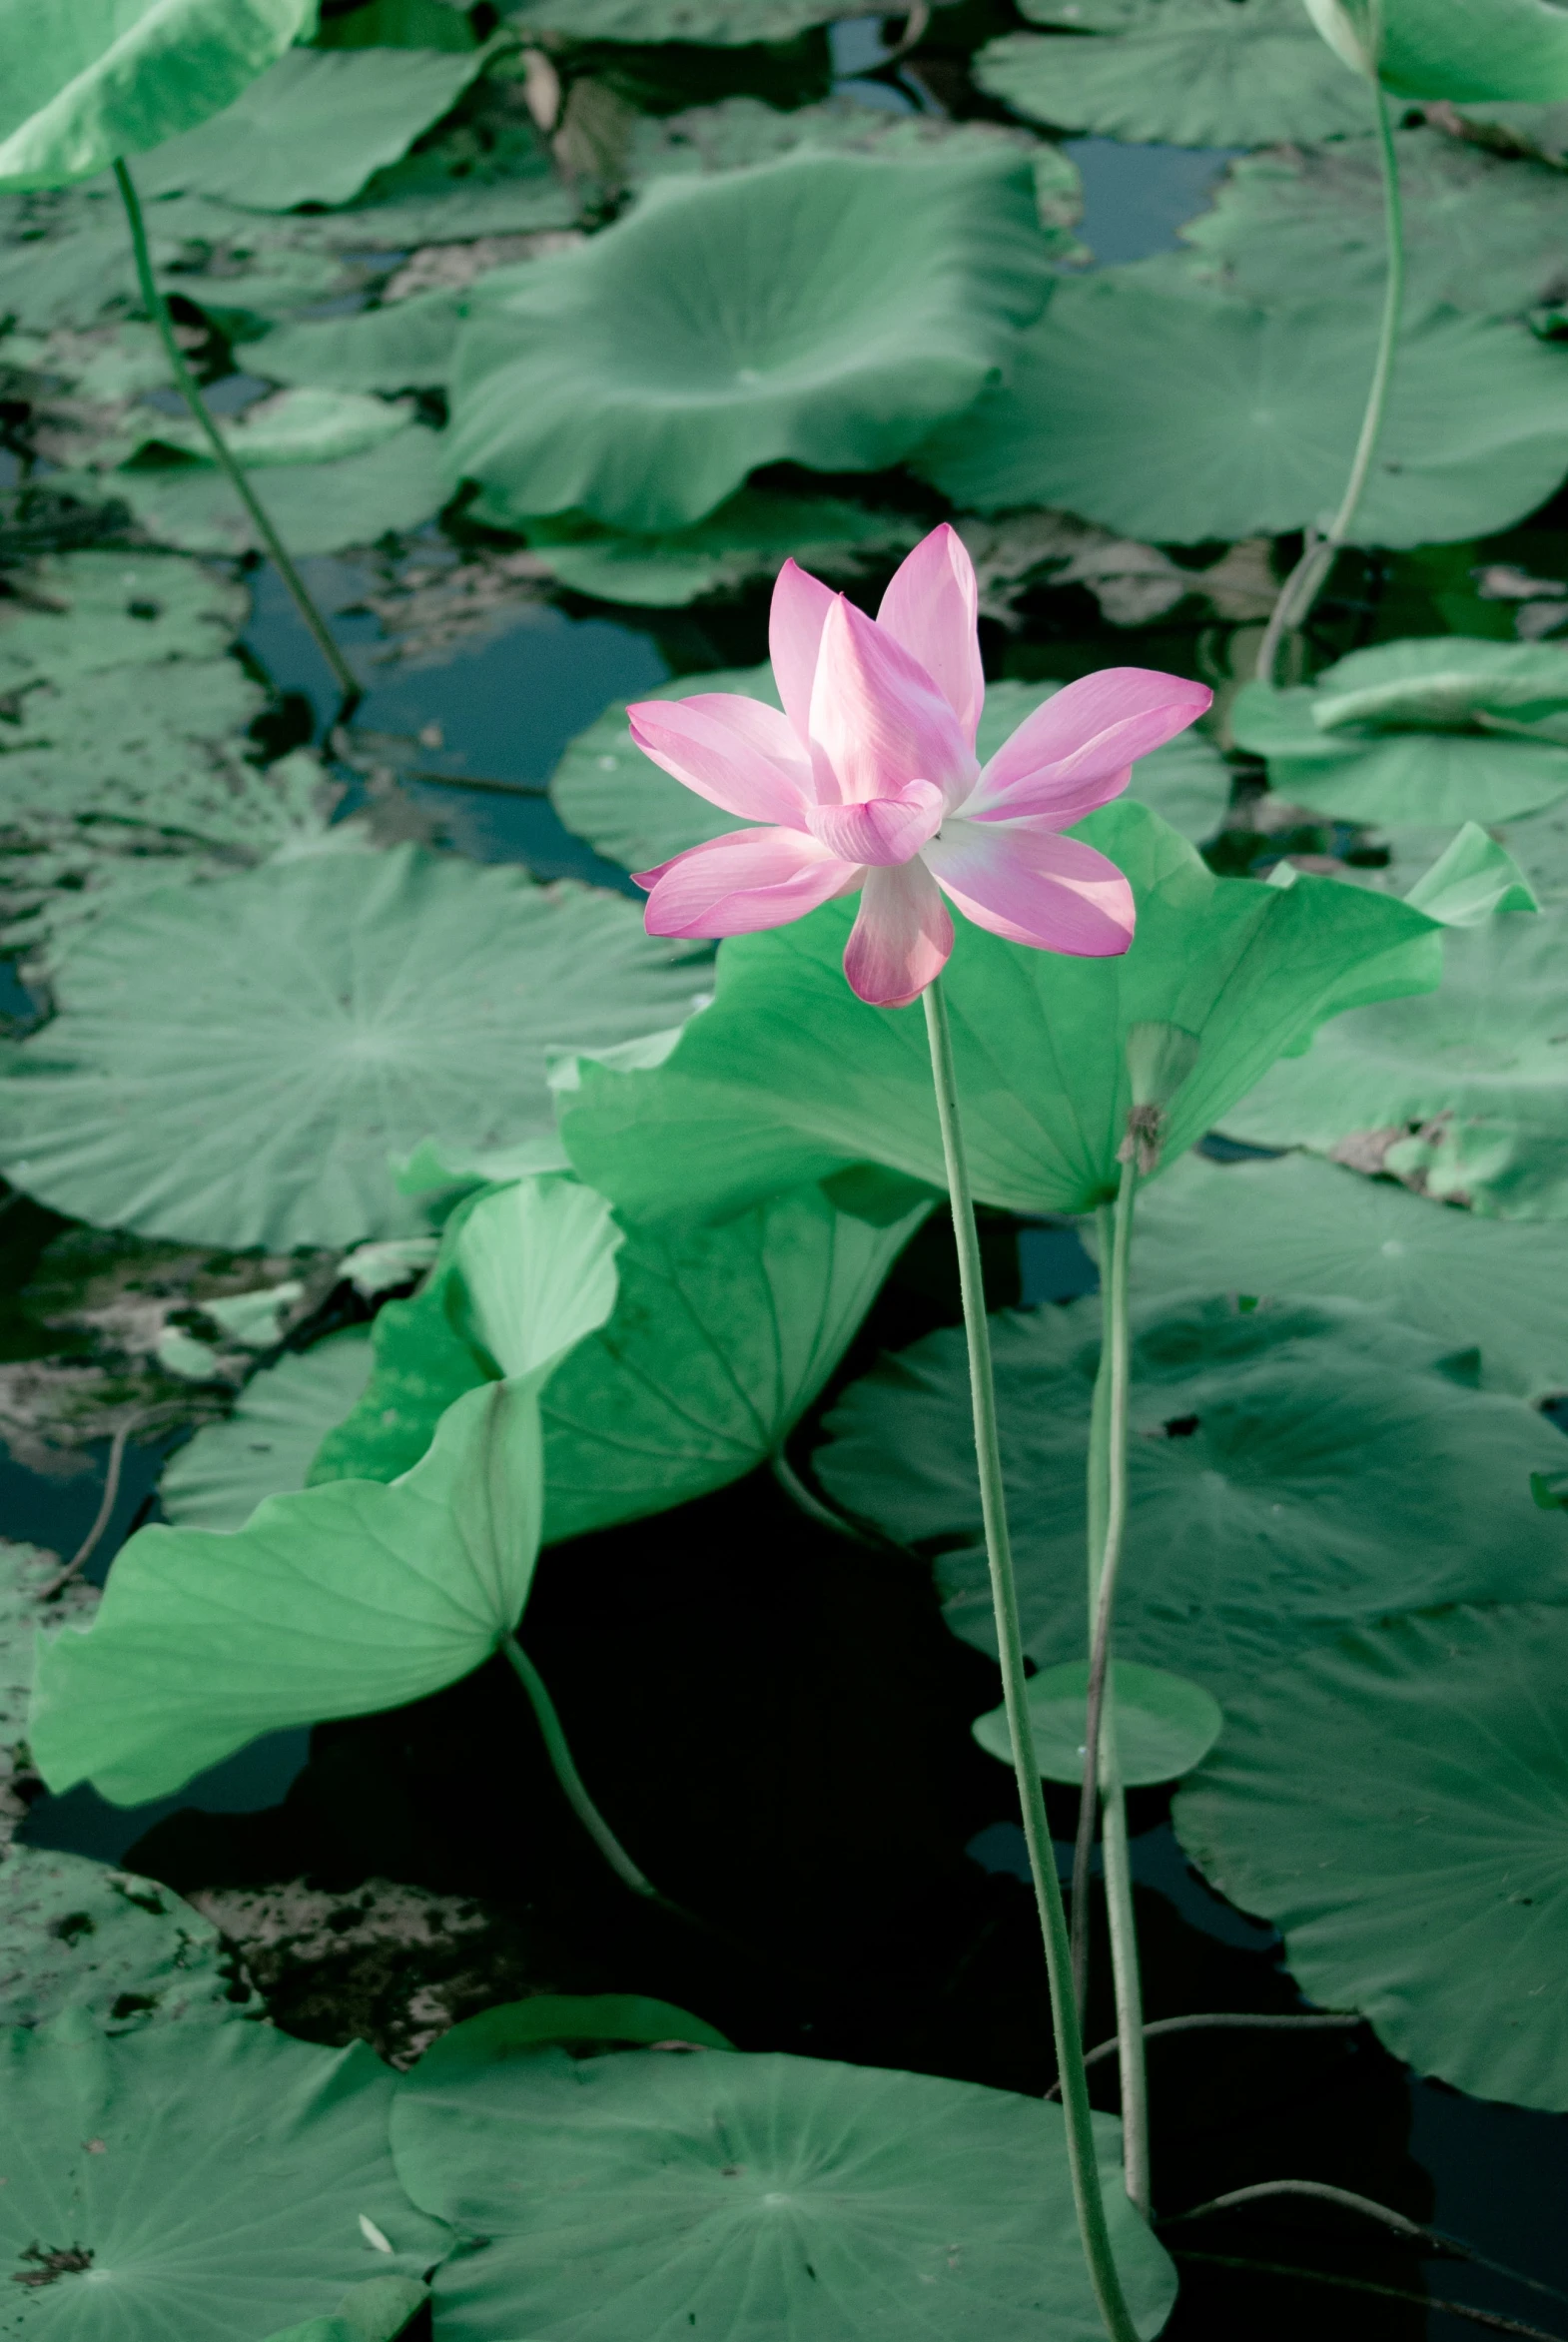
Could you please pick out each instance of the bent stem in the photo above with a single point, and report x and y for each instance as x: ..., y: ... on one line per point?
x: 1101, y: 1770
x: 570, y: 1778
x: 1087, y: 2196
x: 223, y: 455
x: 1306, y: 581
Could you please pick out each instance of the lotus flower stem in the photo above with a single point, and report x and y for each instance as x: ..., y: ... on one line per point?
x: 1307, y: 579
x: 1101, y: 1770
x: 223, y: 455
x: 1088, y: 2198
x: 570, y: 1778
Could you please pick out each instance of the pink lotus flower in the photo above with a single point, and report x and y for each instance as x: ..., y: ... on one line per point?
x: 869, y: 780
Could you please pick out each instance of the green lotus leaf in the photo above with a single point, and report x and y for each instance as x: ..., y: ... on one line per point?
x: 847, y: 306
x: 1482, y: 1061
x: 744, y: 543
x: 545, y: 2019
x: 203, y: 2180
x: 1248, y: 423
x: 722, y: 23
x: 1395, y: 1804
x: 787, y: 1077
x: 1300, y: 1226
x: 1480, y: 232
x: 235, y: 1063
x: 1472, y: 880
x: 102, y: 79
x: 314, y: 507
x: 1293, y: 1468
x: 1540, y: 848
x: 1163, y: 1724
x: 314, y: 127
x: 116, y: 610
x: 74, y: 1935
x: 265, y: 1447
x: 607, y: 792
x: 378, y: 2309
x: 720, y: 1340
x: 113, y: 742
x: 1438, y: 48
x: 336, y: 1600
x: 756, y: 2194
x: 1539, y: 133
x: 307, y: 425
x: 26, y: 1608
x: 399, y: 24
x: 404, y: 346
x: 1189, y: 73
x: 1438, y: 729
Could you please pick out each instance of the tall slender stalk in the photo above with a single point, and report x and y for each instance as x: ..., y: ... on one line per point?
x: 570, y: 1778
x: 223, y: 455
x: 1086, y: 2196
x: 1310, y: 574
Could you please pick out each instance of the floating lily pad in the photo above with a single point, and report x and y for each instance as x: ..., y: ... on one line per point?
x: 267, y: 1445
x: 746, y: 541
x: 110, y: 78
x: 98, y: 610
x: 314, y: 126
x: 208, y: 2180
x: 404, y: 345
x: 235, y: 1063
x: 1433, y: 730
x: 167, y: 748
x: 378, y: 2309
x: 314, y: 507
x: 337, y: 1600
x: 1395, y: 1804
x: 306, y: 425
x: 723, y: 23
x: 741, y: 1106
x: 848, y: 305
x: 1299, y: 1225
x: 1292, y: 1468
x: 720, y: 1340
x: 755, y: 2194
x: 128, y: 1951
x: 1480, y: 232
x: 1163, y: 1724
x: 1483, y: 1060
x: 1189, y: 73
x: 1249, y: 422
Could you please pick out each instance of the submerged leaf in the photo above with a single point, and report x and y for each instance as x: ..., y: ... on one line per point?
x: 772, y: 2192
x: 788, y: 1077
x: 1249, y: 422
x: 1396, y: 1805
x: 1292, y: 1468
x: 843, y: 307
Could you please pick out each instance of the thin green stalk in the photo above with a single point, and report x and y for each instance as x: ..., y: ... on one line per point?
x: 1307, y: 579
x: 1099, y: 1429
x: 1087, y: 2196
x: 570, y: 1778
x: 1124, y: 1968
x: 223, y: 455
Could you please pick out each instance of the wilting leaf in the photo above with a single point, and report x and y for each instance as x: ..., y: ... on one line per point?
x: 752, y: 2192
x: 1395, y: 1804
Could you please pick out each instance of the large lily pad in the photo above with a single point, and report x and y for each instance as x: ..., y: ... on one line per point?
x: 1435, y: 730
x: 206, y: 2180
x: 128, y: 1951
x: 406, y: 344
x: 378, y: 2309
x: 632, y: 813
x: 1292, y: 1468
x: 169, y: 748
x: 235, y: 1063
x: 1299, y: 1225
x: 1396, y: 1804
x: 314, y: 126
x: 96, y: 611
x: 720, y: 1340
x: 752, y: 2196
x: 265, y: 1447
x: 1482, y: 1061
x: 337, y: 1600
x: 314, y: 507
x: 1249, y: 422
x: 1191, y: 72
x: 745, y: 542
x: 788, y: 1077
x: 1480, y: 232
x: 847, y: 306
x: 106, y: 78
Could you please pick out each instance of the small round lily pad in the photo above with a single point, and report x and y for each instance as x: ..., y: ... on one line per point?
x: 1163, y: 1724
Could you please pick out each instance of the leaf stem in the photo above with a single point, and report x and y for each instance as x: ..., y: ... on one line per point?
x: 570, y: 1778
x: 1101, y: 1771
x: 223, y: 455
x: 1306, y: 581
x: 1087, y: 2196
